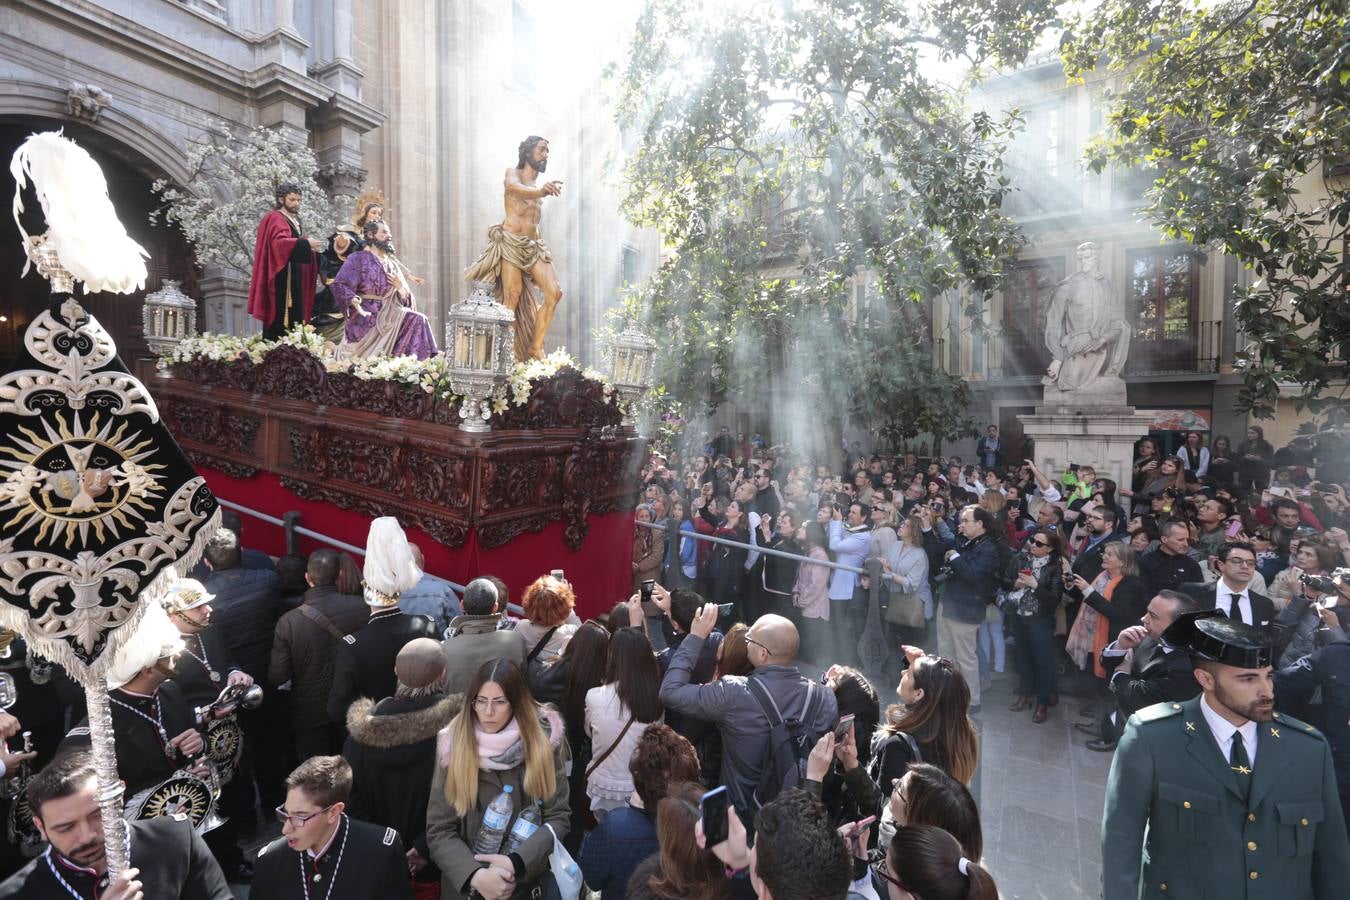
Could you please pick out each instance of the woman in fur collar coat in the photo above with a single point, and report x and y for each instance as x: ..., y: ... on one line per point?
x: 500, y: 737
x: 391, y: 748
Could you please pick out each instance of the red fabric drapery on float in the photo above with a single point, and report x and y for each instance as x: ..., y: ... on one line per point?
x: 600, y: 572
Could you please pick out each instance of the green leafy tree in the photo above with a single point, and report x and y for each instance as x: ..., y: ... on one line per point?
x: 788, y: 151
x: 233, y: 177
x: 1238, y: 110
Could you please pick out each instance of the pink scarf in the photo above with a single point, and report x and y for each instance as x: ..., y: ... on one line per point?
x: 501, y: 751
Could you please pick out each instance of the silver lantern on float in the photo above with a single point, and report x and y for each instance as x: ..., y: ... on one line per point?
x: 168, y: 317
x: 479, y: 335
x: 632, y: 357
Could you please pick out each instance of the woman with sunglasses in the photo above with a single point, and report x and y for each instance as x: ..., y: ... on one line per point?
x: 1030, y: 607
x: 500, y: 738
x: 930, y: 724
x: 926, y: 863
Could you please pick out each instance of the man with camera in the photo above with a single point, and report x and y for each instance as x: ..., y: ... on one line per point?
x: 1329, y: 669
x: 971, y: 577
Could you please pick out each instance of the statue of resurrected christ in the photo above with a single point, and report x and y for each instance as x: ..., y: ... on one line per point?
x: 516, y: 256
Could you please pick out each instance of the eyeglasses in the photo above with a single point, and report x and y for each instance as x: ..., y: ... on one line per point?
x: 750, y: 640
x: 1041, y: 543
x: 295, y: 819
x: 1241, y: 561
x: 879, y: 869
x: 481, y: 704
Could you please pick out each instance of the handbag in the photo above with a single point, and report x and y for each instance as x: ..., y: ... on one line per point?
x: 905, y: 608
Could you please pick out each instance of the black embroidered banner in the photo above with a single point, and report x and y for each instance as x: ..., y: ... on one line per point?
x: 99, y: 508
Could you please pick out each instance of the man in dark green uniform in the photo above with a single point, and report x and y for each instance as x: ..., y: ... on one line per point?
x: 1221, y: 796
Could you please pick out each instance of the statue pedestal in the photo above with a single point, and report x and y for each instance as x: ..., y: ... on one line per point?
x: 1089, y: 427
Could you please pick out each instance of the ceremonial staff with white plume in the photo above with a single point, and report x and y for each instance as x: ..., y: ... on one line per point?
x: 100, y: 511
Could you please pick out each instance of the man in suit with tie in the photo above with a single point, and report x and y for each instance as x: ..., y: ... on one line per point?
x: 1146, y: 671
x: 1231, y: 594
x: 1221, y: 796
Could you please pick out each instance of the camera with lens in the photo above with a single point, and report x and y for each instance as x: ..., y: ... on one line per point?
x: 942, y: 574
x: 1327, y: 584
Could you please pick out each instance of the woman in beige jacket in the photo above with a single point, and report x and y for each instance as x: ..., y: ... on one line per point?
x: 500, y: 737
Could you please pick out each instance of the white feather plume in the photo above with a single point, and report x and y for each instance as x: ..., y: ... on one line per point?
x: 82, y: 225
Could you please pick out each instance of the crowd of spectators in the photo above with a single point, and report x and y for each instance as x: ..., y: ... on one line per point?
x: 734, y: 672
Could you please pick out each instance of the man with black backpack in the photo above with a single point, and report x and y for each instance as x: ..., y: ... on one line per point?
x: 769, y: 720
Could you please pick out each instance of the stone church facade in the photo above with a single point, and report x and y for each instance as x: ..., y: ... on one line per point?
x: 423, y: 99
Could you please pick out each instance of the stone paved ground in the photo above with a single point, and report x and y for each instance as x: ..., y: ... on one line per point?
x: 1040, y: 793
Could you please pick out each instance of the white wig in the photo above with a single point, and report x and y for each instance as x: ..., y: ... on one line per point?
x: 155, y: 638
x: 82, y: 225
x: 389, y: 569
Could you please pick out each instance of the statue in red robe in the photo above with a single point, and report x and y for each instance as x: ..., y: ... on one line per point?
x: 285, y: 266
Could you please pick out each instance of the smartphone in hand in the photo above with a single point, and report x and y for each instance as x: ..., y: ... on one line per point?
x: 841, y: 730
x: 713, y: 810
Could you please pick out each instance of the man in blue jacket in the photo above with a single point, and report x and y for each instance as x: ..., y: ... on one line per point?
x: 849, y: 539
x: 967, y: 593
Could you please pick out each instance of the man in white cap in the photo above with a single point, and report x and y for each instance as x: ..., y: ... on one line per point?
x: 204, y: 666
x: 202, y: 670
x: 365, y: 660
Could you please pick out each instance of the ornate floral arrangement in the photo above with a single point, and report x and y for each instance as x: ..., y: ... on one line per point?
x: 227, y: 360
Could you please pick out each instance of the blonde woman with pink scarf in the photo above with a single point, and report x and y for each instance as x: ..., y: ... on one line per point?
x: 500, y: 737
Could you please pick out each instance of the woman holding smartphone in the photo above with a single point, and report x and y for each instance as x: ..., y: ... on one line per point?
x: 930, y: 725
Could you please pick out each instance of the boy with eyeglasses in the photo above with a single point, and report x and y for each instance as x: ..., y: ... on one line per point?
x: 322, y: 852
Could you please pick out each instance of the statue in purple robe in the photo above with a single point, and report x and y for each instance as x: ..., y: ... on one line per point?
x: 374, y: 289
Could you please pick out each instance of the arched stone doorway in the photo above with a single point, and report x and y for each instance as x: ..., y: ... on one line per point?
x: 129, y: 178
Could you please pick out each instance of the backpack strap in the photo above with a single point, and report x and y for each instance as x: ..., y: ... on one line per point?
x: 321, y: 620
x: 543, y: 642
x: 765, y: 700
x: 874, y: 765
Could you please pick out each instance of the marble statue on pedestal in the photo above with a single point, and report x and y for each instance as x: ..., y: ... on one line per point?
x: 1086, y: 332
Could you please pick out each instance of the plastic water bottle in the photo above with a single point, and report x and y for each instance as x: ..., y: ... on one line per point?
x: 527, y: 823
x: 496, y: 823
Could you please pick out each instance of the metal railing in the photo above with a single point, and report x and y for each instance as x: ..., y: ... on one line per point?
x: 290, y: 522
x: 757, y: 548
x: 872, y: 649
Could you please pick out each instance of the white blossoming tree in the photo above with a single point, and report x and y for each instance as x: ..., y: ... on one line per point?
x: 233, y: 174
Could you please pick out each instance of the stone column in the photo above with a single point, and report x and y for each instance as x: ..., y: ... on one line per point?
x: 225, y: 303
x: 283, y: 45
x: 1232, y: 275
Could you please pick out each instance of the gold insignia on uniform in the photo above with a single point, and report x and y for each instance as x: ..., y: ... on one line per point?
x: 1190, y: 726
x: 1274, y: 732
